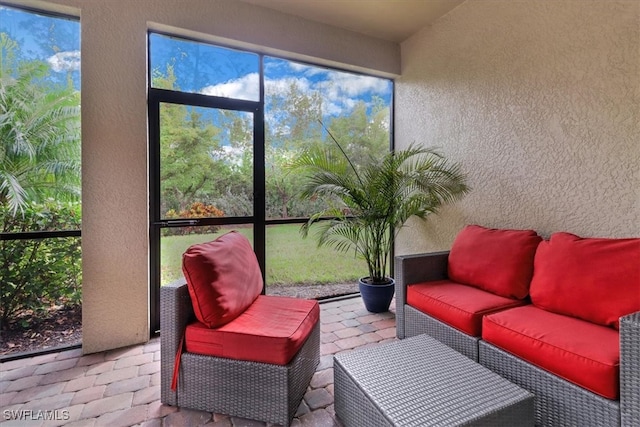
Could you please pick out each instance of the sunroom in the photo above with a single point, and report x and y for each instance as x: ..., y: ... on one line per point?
x: 537, y: 101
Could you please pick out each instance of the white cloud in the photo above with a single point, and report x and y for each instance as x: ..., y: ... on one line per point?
x: 340, y: 91
x: 353, y: 85
x: 246, y: 87
x: 308, y: 70
x: 65, y: 61
x: 280, y: 87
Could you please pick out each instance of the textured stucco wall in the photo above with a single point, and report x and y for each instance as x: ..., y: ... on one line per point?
x: 115, y: 207
x: 539, y: 101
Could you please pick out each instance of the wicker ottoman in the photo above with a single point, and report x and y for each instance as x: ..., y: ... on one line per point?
x: 422, y: 382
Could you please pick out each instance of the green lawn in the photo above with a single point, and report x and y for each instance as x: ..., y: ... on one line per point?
x: 290, y: 258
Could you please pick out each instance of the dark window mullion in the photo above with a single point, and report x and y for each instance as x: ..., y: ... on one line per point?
x: 158, y: 97
x: 199, y: 100
x: 189, y: 222
x: 154, y: 212
x: 259, y: 180
x: 31, y: 235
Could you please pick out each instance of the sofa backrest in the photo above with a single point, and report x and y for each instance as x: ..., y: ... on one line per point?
x: 593, y: 279
x: 223, y: 277
x: 498, y: 261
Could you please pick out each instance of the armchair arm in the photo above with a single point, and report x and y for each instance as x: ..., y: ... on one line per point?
x: 176, y: 312
x: 414, y: 269
x: 630, y: 369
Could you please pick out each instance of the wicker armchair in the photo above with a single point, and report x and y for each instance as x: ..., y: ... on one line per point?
x: 557, y: 401
x: 271, y: 393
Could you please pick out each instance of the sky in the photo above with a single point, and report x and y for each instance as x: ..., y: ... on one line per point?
x: 45, y: 38
x: 235, y: 74
x: 199, y: 67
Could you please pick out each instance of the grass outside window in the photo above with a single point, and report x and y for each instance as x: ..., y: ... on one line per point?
x: 291, y: 260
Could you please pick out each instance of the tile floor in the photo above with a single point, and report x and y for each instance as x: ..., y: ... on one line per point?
x: 122, y: 387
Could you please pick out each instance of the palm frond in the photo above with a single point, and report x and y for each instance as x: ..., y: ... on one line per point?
x: 381, y: 196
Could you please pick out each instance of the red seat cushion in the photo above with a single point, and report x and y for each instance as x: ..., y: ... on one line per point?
x: 498, y: 261
x: 271, y: 330
x: 581, y: 352
x: 223, y: 277
x: 590, y: 278
x: 455, y: 304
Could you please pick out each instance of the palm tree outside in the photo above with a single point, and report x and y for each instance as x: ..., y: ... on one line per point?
x: 40, y: 133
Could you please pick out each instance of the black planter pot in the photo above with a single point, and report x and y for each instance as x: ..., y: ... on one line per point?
x: 377, y: 298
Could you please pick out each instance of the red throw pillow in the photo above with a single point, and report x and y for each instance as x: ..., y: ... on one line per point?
x: 498, y: 261
x: 592, y: 279
x: 223, y: 278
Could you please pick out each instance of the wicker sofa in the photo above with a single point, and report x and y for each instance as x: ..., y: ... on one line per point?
x: 571, y: 389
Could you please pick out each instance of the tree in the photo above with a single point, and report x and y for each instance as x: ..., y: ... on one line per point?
x: 297, y: 114
x: 39, y: 186
x: 366, y: 133
x: 40, y: 133
x: 187, y: 145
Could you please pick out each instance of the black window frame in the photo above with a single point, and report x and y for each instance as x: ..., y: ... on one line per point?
x: 35, y: 235
x: 259, y: 221
x: 40, y: 234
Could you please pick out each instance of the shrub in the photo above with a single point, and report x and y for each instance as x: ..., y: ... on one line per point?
x: 196, y: 210
x: 38, y: 273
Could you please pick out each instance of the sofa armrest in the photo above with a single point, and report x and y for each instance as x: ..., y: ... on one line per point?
x: 414, y: 269
x: 176, y: 312
x: 630, y: 369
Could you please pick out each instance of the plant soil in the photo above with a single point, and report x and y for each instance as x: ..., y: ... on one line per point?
x: 62, y: 326
x: 59, y: 327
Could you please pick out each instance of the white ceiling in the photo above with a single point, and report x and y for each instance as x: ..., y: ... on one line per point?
x: 392, y: 20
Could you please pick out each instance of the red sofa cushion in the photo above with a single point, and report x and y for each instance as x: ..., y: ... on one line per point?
x: 271, y: 330
x: 581, y: 352
x: 455, y: 304
x: 590, y: 278
x: 498, y: 261
x: 223, y: 277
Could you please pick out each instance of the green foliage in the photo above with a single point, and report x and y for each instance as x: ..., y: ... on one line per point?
x: 206, y: 155
x: 187, y: 167
x: 366, y: 131
x: 39, y: 187
x: 194, y: 165
x: 370, y: 202
x: 37, y: 273
x: 365, y: 134
x: 39, y: 132
x: 196, y: 210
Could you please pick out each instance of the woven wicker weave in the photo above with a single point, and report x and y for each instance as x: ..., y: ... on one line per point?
x: 422, y: 382
x: 411, y: 322
x: 415, y: 269
x: 558, y: 402
x: 270, y: 393
x: 630, y: 369
x: 416, y: 323
x: 561, y: 403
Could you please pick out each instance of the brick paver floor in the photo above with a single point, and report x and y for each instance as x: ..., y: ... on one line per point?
x: 122, y: 387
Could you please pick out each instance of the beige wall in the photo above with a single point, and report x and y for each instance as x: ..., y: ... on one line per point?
x: 539, y: 101
x: 114, y: 131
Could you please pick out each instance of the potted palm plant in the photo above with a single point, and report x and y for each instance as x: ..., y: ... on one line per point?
x: 367, y: 204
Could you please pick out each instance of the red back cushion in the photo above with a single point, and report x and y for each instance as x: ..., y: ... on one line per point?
x: 223, y: 278
x: 592, y: 279
x: 498, y: 261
